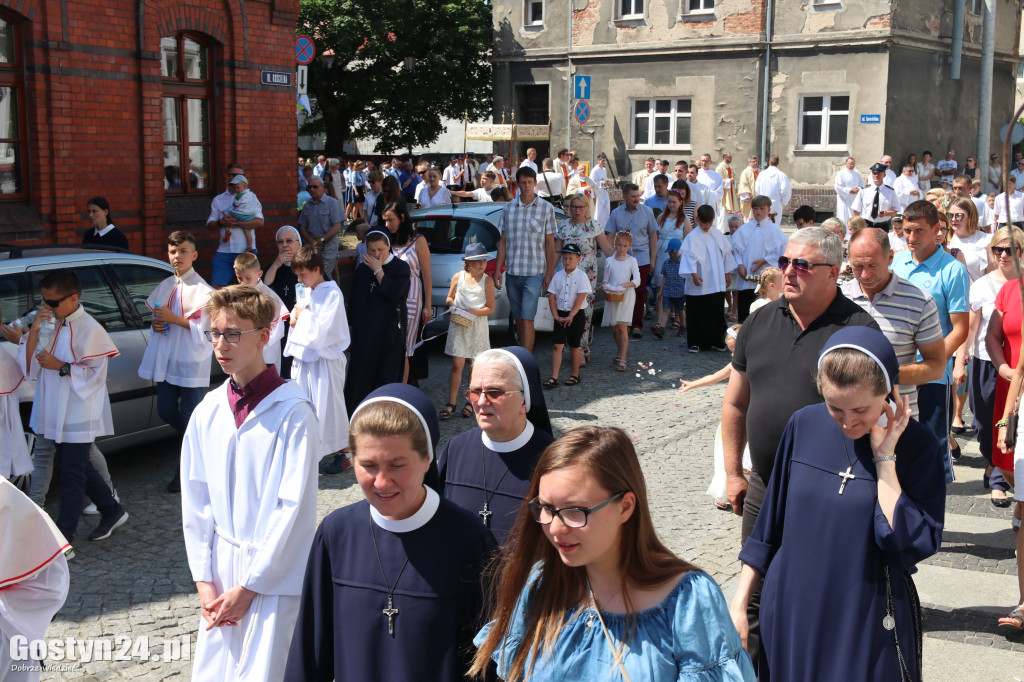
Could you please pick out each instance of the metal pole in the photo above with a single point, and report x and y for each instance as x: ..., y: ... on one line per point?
x: 410, y: 62
x: 988, y: 46
x: 766, y: 97
x: 568, y: 81
x: 957, y: 46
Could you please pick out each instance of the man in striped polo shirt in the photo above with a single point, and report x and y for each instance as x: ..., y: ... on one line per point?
x: 906, y: 314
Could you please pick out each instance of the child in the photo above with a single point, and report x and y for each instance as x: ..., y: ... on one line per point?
x: 248, y: 498
x: 672, y: 291
x: 481, y: 193
x: 472, y: 292
x: 759, y: 242
x: 71, y: 405
x: 735, y: 221
x: 567, y: 296
x: 769, y: 287
x: 706, y: 258
x: 14, y: 458
x: 247, y: 271
x: 317, y: 341
x: 178, y: 355
x: 244, y: 208
x: 621, y: 275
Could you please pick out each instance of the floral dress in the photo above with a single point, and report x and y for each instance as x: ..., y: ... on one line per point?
x: 585, y: 236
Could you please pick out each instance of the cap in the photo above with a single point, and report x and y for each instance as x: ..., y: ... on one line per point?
x: 237, y: 179
x: 571, y: 248
x: 674, y: 244
x: 879, y: 168
x: 454, y: 157
x: 476, y: 251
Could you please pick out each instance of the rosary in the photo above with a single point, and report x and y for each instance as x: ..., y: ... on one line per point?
x: 486, y: 512
x: 390, y: 611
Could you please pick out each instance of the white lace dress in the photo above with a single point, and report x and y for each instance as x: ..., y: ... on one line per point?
x: 468, y: 342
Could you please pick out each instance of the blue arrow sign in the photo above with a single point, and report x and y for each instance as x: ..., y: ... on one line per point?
x: 582, y: 111
x: 581, y: 86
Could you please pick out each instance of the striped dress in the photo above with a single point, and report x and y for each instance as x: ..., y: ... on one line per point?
x: 414, y: 304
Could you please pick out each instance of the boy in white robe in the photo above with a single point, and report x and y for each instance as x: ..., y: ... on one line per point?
x: 178, y: 357
x: 71, y: 405
x: 706, y: 260
x: 758, y: 243
x: 14, y: 458
x: 248, y: 498
x: 247, y: 271
x: 317, y: 341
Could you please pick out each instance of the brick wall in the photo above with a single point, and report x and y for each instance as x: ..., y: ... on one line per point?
x: 95, y: 122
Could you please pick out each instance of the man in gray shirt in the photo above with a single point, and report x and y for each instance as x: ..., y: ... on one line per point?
x: 320, y: 223
x: 638, y: 220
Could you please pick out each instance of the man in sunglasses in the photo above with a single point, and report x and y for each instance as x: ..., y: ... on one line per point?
x: 773, y: 369
x: 945, y: 279
x: 877, y: 202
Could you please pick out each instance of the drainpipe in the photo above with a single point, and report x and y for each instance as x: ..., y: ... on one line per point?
x: 958, y: 40
x: 569, y: 82
x: 988, y: 47
x: 766, y: 97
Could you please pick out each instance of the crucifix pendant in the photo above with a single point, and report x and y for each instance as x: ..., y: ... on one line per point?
x: 485, y: 514
x: 390, y: 612
x: 373, y: 285
x: 847, y: 477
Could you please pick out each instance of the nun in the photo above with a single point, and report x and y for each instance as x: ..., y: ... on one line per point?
x: 377, y: 312
x: 487, y: 470
x: 855, y: 501
x: 393, y: 584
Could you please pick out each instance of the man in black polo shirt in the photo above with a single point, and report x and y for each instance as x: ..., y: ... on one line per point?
x: 773, y: 370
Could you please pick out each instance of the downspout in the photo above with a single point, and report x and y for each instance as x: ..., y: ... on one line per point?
x: 988, y: 47
x: 766, y: 96
x: 569, y: 82
x: 958, y: 40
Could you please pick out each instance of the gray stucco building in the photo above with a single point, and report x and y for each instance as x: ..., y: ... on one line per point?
x: 813, y: 81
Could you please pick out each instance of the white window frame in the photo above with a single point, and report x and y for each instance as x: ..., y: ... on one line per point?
x: 529, y: 21
x: 674, y: 115
x: 826, y: 114
x: 633, y: 6
x: 827, y: 4
x: 707, y: 7
x: 977, y: 7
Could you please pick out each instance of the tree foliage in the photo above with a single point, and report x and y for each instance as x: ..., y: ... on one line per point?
x: 364, y: 91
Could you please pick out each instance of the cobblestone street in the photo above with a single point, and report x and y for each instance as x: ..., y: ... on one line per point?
x: 137, y: 583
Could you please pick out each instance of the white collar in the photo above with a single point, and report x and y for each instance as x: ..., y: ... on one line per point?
x: 390, y: 258
x: 426, y: 512
x: 189, y: 273
x: 105, y: 230
x: 516, y: 443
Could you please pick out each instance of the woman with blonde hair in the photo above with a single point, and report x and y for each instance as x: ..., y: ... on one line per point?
x: 587, y: 591
x: 972, y: 242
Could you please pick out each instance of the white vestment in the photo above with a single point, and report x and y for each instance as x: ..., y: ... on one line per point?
x: 716, y: 186
x: 317, y: 343
x: 602, y: 207
x: 272, y: 351
x: 774, y: 184
x: 890, y: 178
x: 648, y: 186
x: 846, y: 180
x: 248, y: 502
x: 903, y: 187
x: 709, y: 256
x: 700, y: 195
x: 756, y: 241
x: 180, y: 356
x: 985, y: 215
x: 14, y: 457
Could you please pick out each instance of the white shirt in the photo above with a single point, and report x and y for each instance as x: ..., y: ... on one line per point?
x: 887, y: 201
x: 890, y: 177
x: 649, y: 185
x: 924, y: 176
x: 180, y: 356
x: 567, y: 286
x: 975, y: 250
x: 529, y: 164
x: 553, y: 179
x: 1016, y: 208
x: 983, y: 297
x: 480, y: 194
x: 423, y: 198
x: 846, y: 180
x: 709, y: 256
x: 448, y: 177
x: 904, y: 186
x: 985, y: 216
x: 897, y: 244
x: 238, y: 242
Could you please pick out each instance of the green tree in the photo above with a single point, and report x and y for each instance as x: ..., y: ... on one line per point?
x: 361, y: 87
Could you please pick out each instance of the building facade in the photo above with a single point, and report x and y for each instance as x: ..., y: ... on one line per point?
x: 813, y: 81
x: 143, y: 102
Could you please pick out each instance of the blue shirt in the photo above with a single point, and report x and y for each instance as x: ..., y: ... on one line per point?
x: 410, y: 191
x: 945, y: 279
x: 674, y: 285
x: 654, y: 202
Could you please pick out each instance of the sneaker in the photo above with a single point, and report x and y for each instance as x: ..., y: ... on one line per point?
x: 336, y: 465
x: 720, y: 349
x: 108, y: 525
x: 91, y: 509
x: 69, y: 554
x: 681, y: 333
x: 694, y: 349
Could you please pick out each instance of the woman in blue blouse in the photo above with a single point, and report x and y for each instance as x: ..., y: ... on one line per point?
x: 587, y: 591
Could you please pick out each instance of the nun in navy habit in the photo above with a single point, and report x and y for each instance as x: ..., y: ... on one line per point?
x: 487, y: 470
x: 393, y: 584
x: 376, y: 310
x: 856, y: 499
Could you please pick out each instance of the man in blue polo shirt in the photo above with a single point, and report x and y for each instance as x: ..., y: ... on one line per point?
x: 945, y: 279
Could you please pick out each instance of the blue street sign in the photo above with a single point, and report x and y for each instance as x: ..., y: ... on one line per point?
x: 870, y: 118
x: 304, y: 49
x: 581, y: 86
x: 582, y: 111
x: 282, y: 78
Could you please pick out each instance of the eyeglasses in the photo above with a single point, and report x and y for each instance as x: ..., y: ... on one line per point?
x: 801, y: 265
x: 233, y: 336
x: 495, y: 395
x: 955, y: 216
x: 54, y: 303
x: 281, y: 242
x: 573, y: 517
x: 312, y: 186
x: 576, y: 207
x: 1002, y: 250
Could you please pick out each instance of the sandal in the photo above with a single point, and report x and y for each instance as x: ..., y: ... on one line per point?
x: 467, y: 410
x: 447, y: 412
x: 572, y: 381
x: 616, y: 360
x: 658, y: 331
x: 551, y: 383
x: 620, y: 365
x: 1014, y: 619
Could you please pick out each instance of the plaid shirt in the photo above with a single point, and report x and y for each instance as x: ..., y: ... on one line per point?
x: 526, y: 228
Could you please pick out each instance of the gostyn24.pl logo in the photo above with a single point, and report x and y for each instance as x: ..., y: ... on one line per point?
x: 85, y: 650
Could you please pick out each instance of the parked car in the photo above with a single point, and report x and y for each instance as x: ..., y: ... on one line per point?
x: 449, y: 229
x: 115, y: 286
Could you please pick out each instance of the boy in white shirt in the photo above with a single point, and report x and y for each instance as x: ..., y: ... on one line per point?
x: 247, y: 271
x: 178, y: 356
x: 317, y: 341
x: 71, y: 405
x: 567, y: 296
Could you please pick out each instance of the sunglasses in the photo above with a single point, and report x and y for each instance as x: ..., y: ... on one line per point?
x: 955, y: 216
x: 50, y: 303
x: 495, y: 395
x: 1002, y: 250
x: 801, y: 265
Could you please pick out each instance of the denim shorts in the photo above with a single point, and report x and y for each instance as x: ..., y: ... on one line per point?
x: 223, y: 268
x: 523, y: 293
x: 669, y: 302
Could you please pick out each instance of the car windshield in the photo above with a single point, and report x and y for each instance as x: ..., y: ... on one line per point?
x: 448, y: 234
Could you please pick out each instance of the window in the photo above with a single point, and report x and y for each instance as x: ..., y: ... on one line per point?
x: 631, y: 9
x: 976, y: 6
x: 661, y: 123
x: 140, y: 281
x: 15, y: 297
x: 824, y: 121
x: 533, y: 13
x: 12, y: 103
x: 828, y: 4
x: 188, y: 113
x: 97, y: 297
x: 698, y: 7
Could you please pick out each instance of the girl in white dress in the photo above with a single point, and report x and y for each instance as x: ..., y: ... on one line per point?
x: 471, y: 294
x: 621, y: 275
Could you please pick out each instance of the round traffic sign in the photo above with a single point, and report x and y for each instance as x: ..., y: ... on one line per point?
x: 582, y: 111
x: 304, y: 50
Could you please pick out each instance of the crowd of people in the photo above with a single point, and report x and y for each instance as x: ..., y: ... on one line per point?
x: 852, y: 343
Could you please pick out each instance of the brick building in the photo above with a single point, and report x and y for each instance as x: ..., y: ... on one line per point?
x: 144, y: 103
x: 813, y: 81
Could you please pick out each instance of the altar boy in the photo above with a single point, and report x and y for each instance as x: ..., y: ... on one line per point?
x: 247, y: 271
x: 71, y: 405
x: 248, y: 498
x: 705, y: 257
x: 178, y: 357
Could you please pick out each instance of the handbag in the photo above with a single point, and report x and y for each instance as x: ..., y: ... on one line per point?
x: 558, y: 201
x: 543, y: 321
x: 1011, y: 431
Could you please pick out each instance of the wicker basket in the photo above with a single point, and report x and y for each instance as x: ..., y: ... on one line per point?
x: 460, y: 319
x: 615, y: 296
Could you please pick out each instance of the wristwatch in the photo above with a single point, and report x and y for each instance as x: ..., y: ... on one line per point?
x: 65, y: 369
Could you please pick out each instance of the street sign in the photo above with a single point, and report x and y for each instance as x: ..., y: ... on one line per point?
x: 282, y: 78
x: 301, y: 73
x: 304, y: 50
x: 581, y: 87
x: 582, y: 111
x: 870, y: 118
x: 1016, y: 136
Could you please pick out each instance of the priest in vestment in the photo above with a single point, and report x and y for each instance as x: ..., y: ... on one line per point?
x: 746, y: 190
x: 848, y: 183
x: 774, y: 184
x: 730, y: 197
